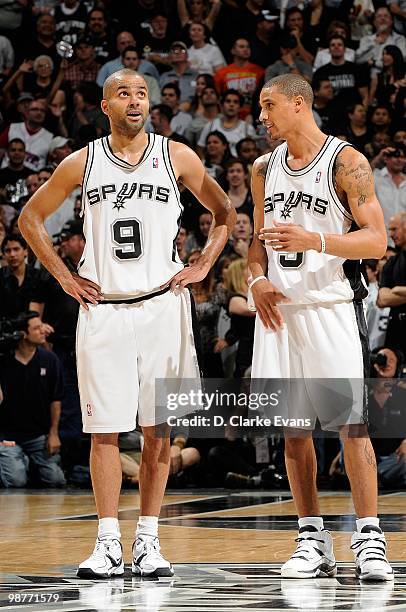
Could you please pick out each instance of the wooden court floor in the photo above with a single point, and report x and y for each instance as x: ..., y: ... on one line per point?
x: 227, y: 548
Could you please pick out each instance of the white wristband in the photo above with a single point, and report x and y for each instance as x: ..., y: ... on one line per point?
x: 323, y: 242
x: 252, y: 283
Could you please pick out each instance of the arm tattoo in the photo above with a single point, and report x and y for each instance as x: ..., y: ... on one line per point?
x: 369, y: 455
x: 355, y: 179
x: 262, y: 169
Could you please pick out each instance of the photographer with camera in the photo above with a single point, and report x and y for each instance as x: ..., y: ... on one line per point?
x: 32, y: 389
x: 392, y: 285
x: 390, y: 181
x: 385, y: 416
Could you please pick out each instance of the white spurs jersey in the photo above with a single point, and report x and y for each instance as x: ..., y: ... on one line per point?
x: 131, y: 220
x: 307, y: 197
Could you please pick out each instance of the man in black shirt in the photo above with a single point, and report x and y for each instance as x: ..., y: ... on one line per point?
x: 392, y: 285
x: 22, y: 287
x: 349, y: 82
x: 31, y: 392
x: 15, y: 169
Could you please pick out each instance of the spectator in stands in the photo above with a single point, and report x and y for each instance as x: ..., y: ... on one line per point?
x: 131, y: 59
x: 16, y: 168
x: 203, y: 55
x: 198, y: 238
x: 240, y: 238
x: 241, y: 75
x: 161, y: 116
x: 195, y: 107
x: 31, y: 385
x: 322, y: 104
x: 22, y: 287
x: 392, y: 285
x: 124, y: 39
x: 181, y: 72
x: 228, y: 123
x: 70, y: 18
x: 264, y: 44
x: 87, y: 112
x: 44, y: 42
x: 6, y: 58
x: 170, y: 95
x: 208, y: 304
x: 247, y: 150
x: 306, y: 45
x: 181, y: 243
x: 32, y: 183
x: 371, y: 46
x: 198, y: 11
x: 238, y: 189
x: 217, y: 152
x: 374, y: 149
x: 357, y: 130
x: 381, y: 119
x: 242, y: 319
x: 323, y: 56
x: 385, y: 410
x: 59, y: 149
x: 390, y: 78
x: 210, y: 108
x: 290, y: 62
x: 61, y: 312
x: 397, y: 8
x: 155, y: 42
x: 349, y: 82
x: 376, y: 318
x: 390, y: 181
x: 97, y: 32
x: 44, y: 175
x: 84, y: 68
x: 11, y: 16
x: 31, y: 131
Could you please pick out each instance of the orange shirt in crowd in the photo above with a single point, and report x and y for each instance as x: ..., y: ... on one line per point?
x: 245, y: 79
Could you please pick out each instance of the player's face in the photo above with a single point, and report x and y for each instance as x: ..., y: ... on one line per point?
x: 128, y: 105
x: 277, y: 113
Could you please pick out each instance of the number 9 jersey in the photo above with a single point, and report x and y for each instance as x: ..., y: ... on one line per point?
x: 307, y: 197
x: 132, y: 216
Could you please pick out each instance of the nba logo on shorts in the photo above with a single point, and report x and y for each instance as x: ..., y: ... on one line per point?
x: 155, y: 162
x: 318, y: 176
x: 89, y: 410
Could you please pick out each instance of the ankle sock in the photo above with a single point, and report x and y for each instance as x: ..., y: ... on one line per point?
x: 109, y: 528
x: 313, y: 521
x: 147, y: 526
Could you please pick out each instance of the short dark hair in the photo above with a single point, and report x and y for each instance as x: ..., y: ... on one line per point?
x: 22, y: 322
x: 132, y: 48
x: 339, y: 37
x: 14, y: 140
x: 291, y: 85
x: 243, y: 141
x: 316, y: 83
x: 173, y: 86
x: 164, y: 110
x: 236, y: 160
x: 13, y: 238
x: 233, y: 92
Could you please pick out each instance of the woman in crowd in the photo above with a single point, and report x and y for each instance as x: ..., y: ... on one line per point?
x: 238, y: 190
x: 217, y: 153
x: 198, y: 11
x: 196, y: 107
x: 34, y: 77
x: 208, y: 304
x: 197, y: 239
x: 203, y: 55
x: 387, y: 82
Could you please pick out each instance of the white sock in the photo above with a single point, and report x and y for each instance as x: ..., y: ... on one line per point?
x: 368, y: 520
x: 108, y: 528
x: 314, y: 521
x: 147, y: 526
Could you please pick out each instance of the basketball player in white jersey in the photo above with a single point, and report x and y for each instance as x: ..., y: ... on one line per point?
x: 310, y: 324
x: 135, y: 322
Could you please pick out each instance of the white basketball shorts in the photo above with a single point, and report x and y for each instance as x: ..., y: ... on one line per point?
x: 317, y: 341
x: 121, y: 350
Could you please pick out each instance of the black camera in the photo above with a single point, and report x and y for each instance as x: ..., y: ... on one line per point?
x: 9, y: 336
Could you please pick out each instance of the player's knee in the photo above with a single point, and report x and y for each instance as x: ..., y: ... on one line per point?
x: 102, y: 439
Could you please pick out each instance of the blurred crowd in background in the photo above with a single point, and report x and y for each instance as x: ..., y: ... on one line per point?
x: 205, y: 63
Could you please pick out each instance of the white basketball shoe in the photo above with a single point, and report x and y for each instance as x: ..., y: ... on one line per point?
x: 147, y: 558
x: 369, y: 546
x: 106, y: 560
x: 313, y: 557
